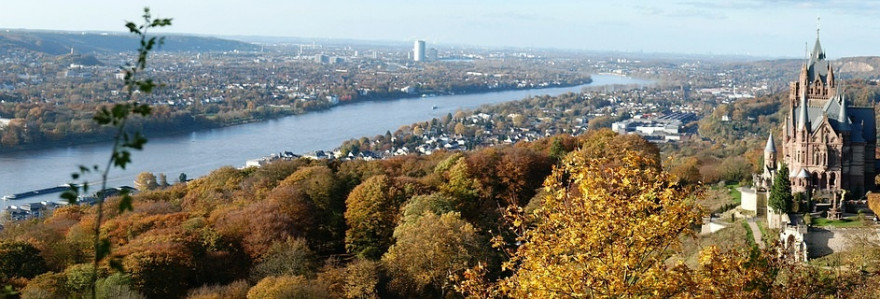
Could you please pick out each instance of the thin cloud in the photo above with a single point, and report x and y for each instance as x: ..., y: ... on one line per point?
x: 649, y: 10
x: 697, y: 13
x: 853, y: 7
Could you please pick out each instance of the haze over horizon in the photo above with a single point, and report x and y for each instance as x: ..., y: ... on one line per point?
x: 776, y: 28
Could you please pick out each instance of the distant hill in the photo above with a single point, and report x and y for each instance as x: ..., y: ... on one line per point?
x: 861, y: 67
x: 57, y: 42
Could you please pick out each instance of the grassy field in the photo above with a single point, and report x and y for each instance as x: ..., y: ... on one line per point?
x: 851, y: 221
x: 734, y: 193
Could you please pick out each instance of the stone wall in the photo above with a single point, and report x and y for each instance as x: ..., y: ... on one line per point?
x: 749, y: 199
x: 824, y: 241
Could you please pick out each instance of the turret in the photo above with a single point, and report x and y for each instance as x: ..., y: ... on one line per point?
x: 804, y: 78
x: 830, y: 80
x: 803, y: 123
x: 842, y: 116
x: 770, y: 154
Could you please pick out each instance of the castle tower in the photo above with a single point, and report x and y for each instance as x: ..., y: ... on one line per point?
x: 770, y: 155
x: 827, y: 144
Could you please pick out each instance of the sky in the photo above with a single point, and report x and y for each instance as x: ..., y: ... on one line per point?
x: 768, y: 28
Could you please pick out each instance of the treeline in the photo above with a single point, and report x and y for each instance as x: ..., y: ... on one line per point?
x: 438, y: 226
x: 336, y: 227
x: 52, y: 102
x: 38, y: 125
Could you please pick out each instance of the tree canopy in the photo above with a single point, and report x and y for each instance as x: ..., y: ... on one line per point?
x: 780, y: 193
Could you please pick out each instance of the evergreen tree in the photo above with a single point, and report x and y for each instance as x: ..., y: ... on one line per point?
x: 780, y: 193
x: 557, y: 151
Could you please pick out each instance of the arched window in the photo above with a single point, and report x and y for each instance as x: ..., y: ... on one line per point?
x: 832, y: 180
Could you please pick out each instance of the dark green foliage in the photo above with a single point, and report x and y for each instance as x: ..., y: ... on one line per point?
x: 20, y: 259
x: 780, y: 193
x: 557, y: 151
x: 799, y: 203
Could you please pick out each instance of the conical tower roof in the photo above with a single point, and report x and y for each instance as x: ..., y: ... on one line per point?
x: 818, y: 53
x: 803, y: 174
x: 803, y: 122
x: 771, y: 147
x: 842, y: 116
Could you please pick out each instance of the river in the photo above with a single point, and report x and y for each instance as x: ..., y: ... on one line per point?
x: 197, y: 153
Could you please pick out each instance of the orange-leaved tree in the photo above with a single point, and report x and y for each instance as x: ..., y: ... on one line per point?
x: 606, y: 228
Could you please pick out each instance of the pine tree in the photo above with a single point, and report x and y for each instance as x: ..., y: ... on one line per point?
x: 780, y: 193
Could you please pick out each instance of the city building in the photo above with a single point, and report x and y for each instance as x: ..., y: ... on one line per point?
x: 322, y: 58
x: 419, y: 50
x: 432, y: 54
x: 666, y: 128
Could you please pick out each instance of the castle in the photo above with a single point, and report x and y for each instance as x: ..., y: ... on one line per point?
x: 828, y: 145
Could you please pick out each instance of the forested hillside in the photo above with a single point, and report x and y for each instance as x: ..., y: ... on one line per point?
x: 413, y: 226
x: 61, y: 42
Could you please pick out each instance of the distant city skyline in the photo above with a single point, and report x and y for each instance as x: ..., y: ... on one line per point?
x: 772, y: 28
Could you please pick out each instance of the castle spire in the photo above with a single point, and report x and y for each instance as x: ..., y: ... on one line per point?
x: 817, y: 48
x: 802, y: 114
x: 771, y: 147
x: 842, y: 116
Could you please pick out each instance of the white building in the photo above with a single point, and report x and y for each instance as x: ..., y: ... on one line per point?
x: 419, y: 50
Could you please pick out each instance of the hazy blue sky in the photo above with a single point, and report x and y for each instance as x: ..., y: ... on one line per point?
x: 768, y: 28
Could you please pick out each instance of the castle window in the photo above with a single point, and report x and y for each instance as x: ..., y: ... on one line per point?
x: 831, y: 180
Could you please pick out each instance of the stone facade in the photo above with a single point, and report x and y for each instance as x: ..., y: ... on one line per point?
x: 828, y: 145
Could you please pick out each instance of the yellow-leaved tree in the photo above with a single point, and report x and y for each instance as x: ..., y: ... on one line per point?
x: 606, y: 229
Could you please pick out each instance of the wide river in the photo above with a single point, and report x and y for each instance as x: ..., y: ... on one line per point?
x: 198, y: 153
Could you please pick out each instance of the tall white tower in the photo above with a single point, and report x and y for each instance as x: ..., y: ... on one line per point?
x: 419, y: 50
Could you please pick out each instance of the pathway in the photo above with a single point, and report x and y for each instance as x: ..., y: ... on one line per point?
x: 756, y: 232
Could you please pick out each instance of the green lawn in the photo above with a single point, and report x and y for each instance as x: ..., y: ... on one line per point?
x: 851, y: 221
x: 734, y: 192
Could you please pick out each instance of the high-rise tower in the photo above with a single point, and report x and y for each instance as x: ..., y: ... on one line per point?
x: 419, y: 50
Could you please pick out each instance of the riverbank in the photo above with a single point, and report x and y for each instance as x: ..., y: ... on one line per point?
x: 203, y: 151
x: 208, y: 122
